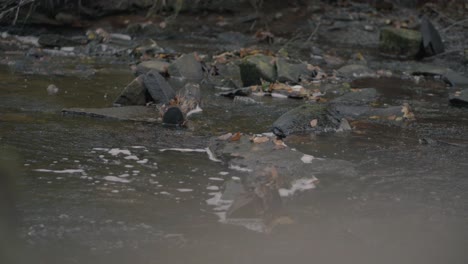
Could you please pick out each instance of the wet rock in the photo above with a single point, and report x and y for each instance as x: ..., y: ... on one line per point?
x: 129, y: 113
x: 391, y: 114
x: 187, y: 67
x: 246, y: 91
x: 290, y: 72
x: 431, y: 40
x: 159, y: 89
x: 448, y: 75
x: 254, y: 68
x: 314, y: 118
x: 225, y: 76
x: 134, y: 93
x: 459, y: 98
x: 355, y: 71
x: 158, y: 65
x: 53, y: 40
x: 173, y: 116
x: 400, y: 42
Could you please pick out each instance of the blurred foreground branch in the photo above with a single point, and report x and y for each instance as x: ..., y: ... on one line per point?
x: 13, y: 6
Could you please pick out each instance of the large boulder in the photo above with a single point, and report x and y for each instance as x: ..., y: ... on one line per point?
x: 400, y: 42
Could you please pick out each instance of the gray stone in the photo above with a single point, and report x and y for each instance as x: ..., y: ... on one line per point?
x: 129, y: 113
x: 187, y: 67
x: 290, y: 72
x: 400, y: 42
x: 450, y: 76
x: 133, y: 94
x: 355, y: 71
x: 226, y: 76
x: 157, y: 65
x: 254, y: 68
x: 299, y: 120
x: 158, y: 87
x: 244, y: 100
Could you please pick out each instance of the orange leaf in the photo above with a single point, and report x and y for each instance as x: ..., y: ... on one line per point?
x: 236, y: 136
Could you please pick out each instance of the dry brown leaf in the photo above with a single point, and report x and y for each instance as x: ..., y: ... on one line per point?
x: 313, y: 123
x: 260, y: 140
x: 236, y: 136
x: 279, y: 144
x: 374, y: 117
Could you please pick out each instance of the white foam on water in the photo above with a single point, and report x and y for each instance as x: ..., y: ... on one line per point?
x: 138, y: 147
x: 115, y: 191
x: 131, y: 157
x: 101, y: 149
x: 143, y: 161
x: 124, y: 175
x: 61, y: 171
x: 115, y: 179
x: 211, y: 155
x: 236, y: 178
x: 212, y: 188
x: 307, y: 158
x: 223, y: 173
x: 183, y: 150
x: 165, y: 193
x: 298, y: 185
x: 117, y: 151
x: 128, y: 166
x: 216, y: 179
x: 194, y: 111
x: 185, y: 190
x: 239, y: 168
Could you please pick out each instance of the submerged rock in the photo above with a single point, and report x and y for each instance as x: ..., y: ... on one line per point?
x: 125, y: 113
x: 358, y: 97
x: 173, y: 116
x: 53, y: 40
x: 400, y: 42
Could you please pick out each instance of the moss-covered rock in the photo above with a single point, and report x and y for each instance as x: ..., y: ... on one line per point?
x: 254, y: 68
x: 400, y: 42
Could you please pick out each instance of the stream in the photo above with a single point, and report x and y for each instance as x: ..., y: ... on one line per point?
x: 96, y: 190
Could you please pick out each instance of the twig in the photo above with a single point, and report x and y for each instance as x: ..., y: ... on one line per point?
x: 312, y: 34
x: 456, y: 23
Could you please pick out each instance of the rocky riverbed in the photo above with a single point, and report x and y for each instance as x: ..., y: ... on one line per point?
x: 296, y: 132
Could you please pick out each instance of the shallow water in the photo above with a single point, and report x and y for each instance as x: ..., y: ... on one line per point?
x: 102, y: 191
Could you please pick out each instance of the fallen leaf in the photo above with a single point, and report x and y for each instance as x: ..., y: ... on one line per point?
x: 260, y: 140
x: 279, y: 144
x: 313, y: 123
x: 236, y: 136
x: 374, y: 117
